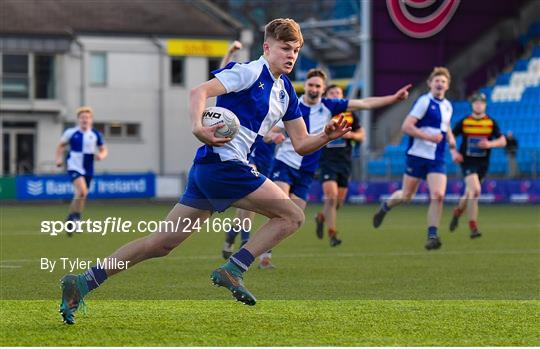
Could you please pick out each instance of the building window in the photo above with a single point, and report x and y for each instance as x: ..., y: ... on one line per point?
x: 213, y: 64
x: 15, y: 79
x: 114, y: 130
x: 133, y: 130
x: 177, y: 71
x: 98, y: 69
x: 100, y: 126
x: 44, y: 87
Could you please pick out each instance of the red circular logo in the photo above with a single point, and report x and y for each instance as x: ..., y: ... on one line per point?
x: 421, y: 27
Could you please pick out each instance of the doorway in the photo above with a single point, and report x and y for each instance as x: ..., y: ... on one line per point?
x: 18, y: 148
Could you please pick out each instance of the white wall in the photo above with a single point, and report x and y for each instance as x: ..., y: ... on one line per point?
x: 130, y: 95
x: 180, y: 143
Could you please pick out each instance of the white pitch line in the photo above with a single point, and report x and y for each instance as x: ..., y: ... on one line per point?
x: 370, y: 254
x: 329, y: 255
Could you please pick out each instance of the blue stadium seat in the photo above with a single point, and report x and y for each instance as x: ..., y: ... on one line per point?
x: 487, y: 90
x: 521, y: 65
x: 503, y: 79
x: 377, y: 167
x: 534, y: 30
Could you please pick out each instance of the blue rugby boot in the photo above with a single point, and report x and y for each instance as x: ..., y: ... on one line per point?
x: 74, y: 288
x: 230, y: 277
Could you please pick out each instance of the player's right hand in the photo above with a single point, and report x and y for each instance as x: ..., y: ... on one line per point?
x: 337, y: 128
x: 207, y: 136
x: 235, y: 46
x: 435, y: 138
x: 278, y: 137
x: 59, y: 163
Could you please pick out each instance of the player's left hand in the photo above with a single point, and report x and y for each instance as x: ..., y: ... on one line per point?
x: 403, y: 93
x: 484, y: 144
x: 456, y: 156
x: 337, y: 128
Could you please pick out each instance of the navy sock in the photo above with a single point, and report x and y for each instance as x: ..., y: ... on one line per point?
x: 94, y: 277
x: 242, y: 259
x: 231, y: 235
x: 432, y: 232
x: 385, y: 207
x: 245, y: 236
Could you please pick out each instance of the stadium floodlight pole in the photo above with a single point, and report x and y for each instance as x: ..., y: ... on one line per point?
x: 367, y: 69
x: 82, y: 75
x: 161, y: 102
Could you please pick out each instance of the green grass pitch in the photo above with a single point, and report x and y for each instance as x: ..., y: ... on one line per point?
x: 380, y: 287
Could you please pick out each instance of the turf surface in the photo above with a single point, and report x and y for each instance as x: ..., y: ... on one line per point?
x: 379, y: 288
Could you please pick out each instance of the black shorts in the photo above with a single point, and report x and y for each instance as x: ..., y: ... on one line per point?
x: 480, y: 168
x: 336, y: 171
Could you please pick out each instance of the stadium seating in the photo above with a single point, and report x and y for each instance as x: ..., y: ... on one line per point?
x: 513, y: 101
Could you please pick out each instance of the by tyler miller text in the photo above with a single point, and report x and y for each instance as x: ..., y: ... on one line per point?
x: 74, y: 264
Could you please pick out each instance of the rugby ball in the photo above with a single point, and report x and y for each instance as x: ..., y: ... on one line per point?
x: 218, y: 115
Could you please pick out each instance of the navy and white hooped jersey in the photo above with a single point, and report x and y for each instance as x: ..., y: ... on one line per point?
x: 433, y: 118
x: 258, y: 99
x: 316, y: 117
x: 82, y: 147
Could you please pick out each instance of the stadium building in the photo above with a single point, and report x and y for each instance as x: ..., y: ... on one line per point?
x: 133, y: 62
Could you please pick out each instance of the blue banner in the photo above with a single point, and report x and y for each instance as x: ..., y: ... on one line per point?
x: 106, y: 186
x: 493, y: 191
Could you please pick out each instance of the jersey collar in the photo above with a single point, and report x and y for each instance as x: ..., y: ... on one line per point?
x: 309, y: 105
x: 435, y: 98
x: 265, y: 62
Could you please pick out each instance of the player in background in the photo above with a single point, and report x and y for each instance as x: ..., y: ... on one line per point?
x: 294, y: 172
x: 480, y: 133
x: 84, y: 141
x: 261, y: 95
x: 261, y: 159
x: 235, y: 46
x: 428, y: 125
x: 335, y: 170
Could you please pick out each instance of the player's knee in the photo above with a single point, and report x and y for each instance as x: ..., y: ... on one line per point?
x: 406, y: 197
x: 437, y: 195
x: 295, y: 219
x: 161, y: 251
x: 332, y: 200
x: 475, y: 192
x: 81, y: 194
x: 299, y: 219
x: 159, y: 246
x: 165, y: 248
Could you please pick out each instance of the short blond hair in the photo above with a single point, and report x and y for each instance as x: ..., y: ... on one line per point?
x: 443, y: 71
x: 284, y: 29
x: 316, y: 72
x: 84, y: 109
